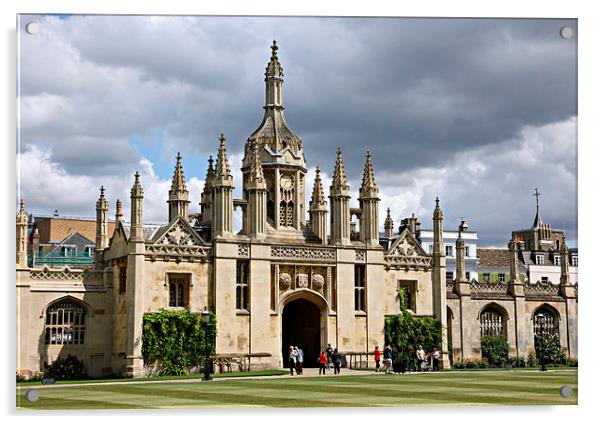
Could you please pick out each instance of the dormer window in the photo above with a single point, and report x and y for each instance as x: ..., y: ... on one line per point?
x: 557, y: 260
x: 449, y: 251
x: 89, y: 250
x: 538, y: 259
x: 574, y: 260
x: 69, y: 250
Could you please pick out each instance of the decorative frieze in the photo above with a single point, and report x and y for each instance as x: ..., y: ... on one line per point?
x: 56, y: 274
x: 541, y: 289
x: 304, y: 253
x: 422, y: 263
x: 199, y: 253
x: 360, y: 256
x: 243, y: 250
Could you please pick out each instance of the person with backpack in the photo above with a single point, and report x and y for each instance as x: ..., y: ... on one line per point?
x: 336, y: 360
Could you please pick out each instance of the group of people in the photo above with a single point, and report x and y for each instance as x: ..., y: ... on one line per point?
x: 329, y: 358
x: 393, y: 362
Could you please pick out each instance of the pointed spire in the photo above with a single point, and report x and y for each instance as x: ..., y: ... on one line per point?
x: 210, y: 171
x: 22, y: 215
x: 537, y: 222
x: 178, y: 182
x: 368, y: 180
x: 339, y: 180
x: 256, y: 172
x: 118, y: 212
x: 437, y: 213
x: 222, y: 166
x: 389, y: 224
x: 318, y: 202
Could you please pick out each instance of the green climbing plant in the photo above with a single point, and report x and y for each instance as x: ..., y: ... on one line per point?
x: 177, y: 339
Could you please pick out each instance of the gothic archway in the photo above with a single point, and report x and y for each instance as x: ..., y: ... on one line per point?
x: 304, y: 321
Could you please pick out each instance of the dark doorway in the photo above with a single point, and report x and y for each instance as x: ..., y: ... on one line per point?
x: 301, y: 327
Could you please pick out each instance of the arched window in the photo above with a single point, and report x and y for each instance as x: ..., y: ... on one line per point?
x: 178, y: 291
x: 65, y: 323
x: 545, y: 322
x: 493, y: 322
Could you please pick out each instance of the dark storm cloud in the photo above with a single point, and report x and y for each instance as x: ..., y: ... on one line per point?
x: 419, y: 93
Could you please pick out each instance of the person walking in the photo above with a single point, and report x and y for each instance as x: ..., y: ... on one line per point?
x: 291, y: 358
x: 377, y: 355
x: 388, y: 359
x: 336, y: 360
x: 329, y: 356
x: 322, y: 363
x: 299, y: 361
x: 421, y: 356
x: 435, y: 357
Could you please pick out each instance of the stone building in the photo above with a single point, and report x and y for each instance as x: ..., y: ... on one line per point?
x: 287, y: 278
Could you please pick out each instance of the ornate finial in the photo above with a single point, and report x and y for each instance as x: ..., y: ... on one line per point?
x: 22, y: 204
x: 274, y: 69
x: 222, y: 166
x: 256, y: 173
x: 178, y: 182
x: 437, y: 201
x: 274, y: 50
x: 318, y: 202
x: 136, y: 188
x: 102, y: 202
x: 368, y: 180
x: 137, y: 177
x: 102, y: 191
x: 339, y: 180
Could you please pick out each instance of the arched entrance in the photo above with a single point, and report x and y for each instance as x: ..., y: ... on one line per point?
x: 301, y: 326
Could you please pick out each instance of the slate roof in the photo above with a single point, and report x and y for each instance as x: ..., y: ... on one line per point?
x: 75, y: 239
x: 493, y: 257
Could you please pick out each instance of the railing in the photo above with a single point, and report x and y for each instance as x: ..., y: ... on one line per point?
x: 80, y: 260
x: 234, y: 362
x: 357, y: 360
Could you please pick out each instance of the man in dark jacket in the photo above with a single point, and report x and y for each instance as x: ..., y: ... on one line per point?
x: 336, y: 360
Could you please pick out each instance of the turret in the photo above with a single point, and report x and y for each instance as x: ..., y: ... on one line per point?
x: 222, y: 204
x: 206, y: 195
x: 118, y: 213
x: 339, y: 204
x: 369, y: 205
x: 318, y: 209
x: 438, y: 279
x: 257, y: 198
x: 178, y: 195
x: 102, y: 221
x: 136, y: 199
x: 389, y: 225
x: 515, y: 286
x: 21, y: 236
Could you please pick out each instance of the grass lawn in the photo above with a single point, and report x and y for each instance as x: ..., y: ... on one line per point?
x: 484, y: 388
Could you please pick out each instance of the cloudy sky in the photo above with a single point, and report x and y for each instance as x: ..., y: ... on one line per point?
x: 476, y: 111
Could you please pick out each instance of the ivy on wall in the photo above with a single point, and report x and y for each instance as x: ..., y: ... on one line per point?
x: 408, y: 332
x: 177, y: 339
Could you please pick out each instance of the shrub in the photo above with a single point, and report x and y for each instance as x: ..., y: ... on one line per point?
x: 550, y: 346
x: 571, y: 362
x: 176, y: 339
x: 407, y: 332
x: 459, y: 364
x: 495, y: 349
x: 470, y: 364
x: 65, y: 368
x: 532, y: 360
x: 482, y: 363
x: 517, y: 362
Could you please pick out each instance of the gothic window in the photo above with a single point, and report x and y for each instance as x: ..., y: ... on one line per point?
x: 360, y: 288
x: 283, y: 213
x: 242, y: 285
x: 409, y: 290
x: 545, y: 322
x: 449, y: 250
x: 493, y: 322
x: 65, y: 323
x: 122, y: 279
x: 290, y: 207
x: 178, y: 291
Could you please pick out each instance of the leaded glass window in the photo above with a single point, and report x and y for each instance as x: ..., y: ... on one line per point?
x: 65, y: 323
x: 545, y: 323
x: 242, y: 285
x: 492, y: 323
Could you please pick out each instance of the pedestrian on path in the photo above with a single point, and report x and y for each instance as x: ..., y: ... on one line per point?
x: 336, y: 360
x: 322, y: 362
x: 377, y: 354
x: 291, y: 358
x: 329, y: 356
x: 299, y: 360
x: 435, y: 357
x: 421, y: 356
x: 388, y: 359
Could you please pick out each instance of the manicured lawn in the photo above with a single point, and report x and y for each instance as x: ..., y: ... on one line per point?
x: 475, y: 388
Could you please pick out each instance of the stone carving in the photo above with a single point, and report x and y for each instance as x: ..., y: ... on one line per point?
x: 407, y: 253
x: 360, y: 255
x: 302, y: 280
x: 243, y: 250
x: 198, y: 252
x: 304, y: 253
x: 177, y: 235
x: 540, y: 288
x: 285, y: 281
x: 56, y: 274
x: 317, y: 281
x: 409, y: 262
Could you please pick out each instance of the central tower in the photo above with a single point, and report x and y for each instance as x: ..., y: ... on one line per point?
x: 282, y: 159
